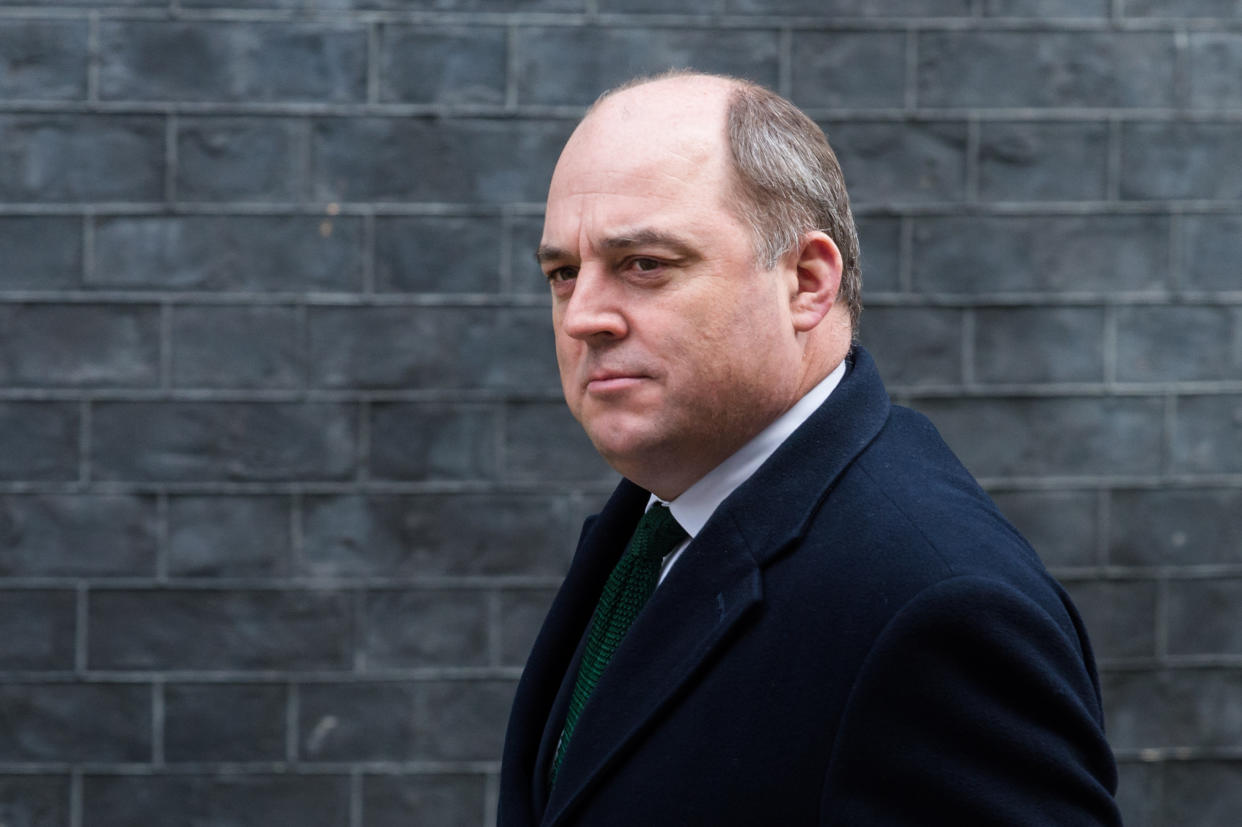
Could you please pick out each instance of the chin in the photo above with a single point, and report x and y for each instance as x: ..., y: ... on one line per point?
x: 623, y: 448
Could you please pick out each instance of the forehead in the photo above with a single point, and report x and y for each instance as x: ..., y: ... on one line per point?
x: 641, y: 152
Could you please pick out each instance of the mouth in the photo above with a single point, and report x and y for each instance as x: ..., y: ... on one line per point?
x: 607, y: 382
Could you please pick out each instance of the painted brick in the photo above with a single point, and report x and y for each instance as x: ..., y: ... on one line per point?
x: 460, y: 5
x: 1207, y: 436
x: 525, y: 233
x: 849, y: 69
x: 1183, y: 8
x: 240, y: 629
x: 1063, y: 435
x: 606, y: 57
x: 1061, y: 525
x: 40, y: 252
x: 43, y: 59
x: 1213, y: 248
x: 1022, y: 161
x: 413, y: 628
x: 1045, y: 8
x: 1061, y: 69
x: 448, y: 800
x: 239, y: 800
x: 229, y: 536
x: 45, y: 722
x: 1203, y: 793
x: 432, y: 347
x: 1041, y: 344
x: 34, y: 800
x: 250, y: 159
x: 433, y: 442
x: 911, y: 161
x: 394, y: 535
x: 107, y: 3
x: 855, y: 8
x: 111, y: 345
x: 438, y: 254
x: 224, y: 722
x: 1165, y: 160
x: 53, y: 157
x: 38, y: 629
x: 466, y: 160
x: 1175, y: 527
x: 460, y: 720
x: 219, y: 61
x: 72, y: 535
x: 1173, y: 708
x: 880, y: 241
x: 543, y: 442
x: 1177, y: 344
x: 521, y: 616
x: 1215, y: 64
x: 1204, y: 617
x: 253, y: 253
x: 237, y: 347
x: 1121, y: 615
x: 915, y: 345
x: 1012, y: 253
x: 1138, y: 791
x: 223, y: 441
x: 449, y: 65
x: 356, y: 722
x: 38, y: 441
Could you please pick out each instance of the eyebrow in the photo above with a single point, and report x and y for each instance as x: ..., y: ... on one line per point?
x: 627, y: 241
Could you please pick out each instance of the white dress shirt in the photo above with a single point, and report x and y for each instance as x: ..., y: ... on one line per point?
x: 695, y: 505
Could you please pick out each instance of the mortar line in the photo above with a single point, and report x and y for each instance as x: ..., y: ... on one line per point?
x: 1112, y: 172
x: 81, y: 641
x: 93, y: 47
x: 157, y: 722
x: 369, y: 252
x: 356, y: 813
x: 374, y: 45
x: 911, y: 70
x: 85, y: 446
x: 784, y: 61
x: 75, y: 797
x: 171, y: 127
x: 1103, y: 525
x: 163, y: 536
x: 512, y: 66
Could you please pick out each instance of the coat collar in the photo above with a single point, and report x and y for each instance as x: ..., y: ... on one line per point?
x: 690, y: 617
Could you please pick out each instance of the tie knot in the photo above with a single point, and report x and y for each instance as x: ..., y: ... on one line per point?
x: 657, y: 533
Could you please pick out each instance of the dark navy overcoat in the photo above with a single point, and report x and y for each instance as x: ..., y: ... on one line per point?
x: 856, y: 637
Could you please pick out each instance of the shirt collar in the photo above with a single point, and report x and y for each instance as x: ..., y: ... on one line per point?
x: 695, y: 505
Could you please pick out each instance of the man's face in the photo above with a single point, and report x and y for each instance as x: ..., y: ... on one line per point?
x: 674, y: 348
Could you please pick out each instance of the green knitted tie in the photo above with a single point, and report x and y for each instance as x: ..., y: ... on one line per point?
x: 630, y: 584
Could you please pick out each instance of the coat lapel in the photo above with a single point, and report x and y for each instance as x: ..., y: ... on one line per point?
x: 688, y: 618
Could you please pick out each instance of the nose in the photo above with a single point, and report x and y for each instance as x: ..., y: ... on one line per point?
x: 594, y: 310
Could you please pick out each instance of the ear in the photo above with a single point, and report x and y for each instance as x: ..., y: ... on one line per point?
x: 818, y: 272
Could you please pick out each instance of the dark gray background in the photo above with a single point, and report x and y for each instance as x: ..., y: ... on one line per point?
x: 285, y: 481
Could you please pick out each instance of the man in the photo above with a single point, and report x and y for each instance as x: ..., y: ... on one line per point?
x: 845, y: 631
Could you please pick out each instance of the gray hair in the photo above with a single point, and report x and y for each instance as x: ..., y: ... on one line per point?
x: 788, y: 181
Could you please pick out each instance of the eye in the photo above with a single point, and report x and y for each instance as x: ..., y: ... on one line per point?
x: 562, y: 274
x: 645, y: 265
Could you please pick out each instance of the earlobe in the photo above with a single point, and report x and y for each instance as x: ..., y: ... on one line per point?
x: 819, y: 268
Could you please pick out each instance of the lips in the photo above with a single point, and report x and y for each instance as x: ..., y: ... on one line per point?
x: 613, y: 381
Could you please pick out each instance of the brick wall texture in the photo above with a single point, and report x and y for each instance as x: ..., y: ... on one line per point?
x: 286, y: 483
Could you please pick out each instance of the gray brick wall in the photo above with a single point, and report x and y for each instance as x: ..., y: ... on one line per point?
x: 285, y: 483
